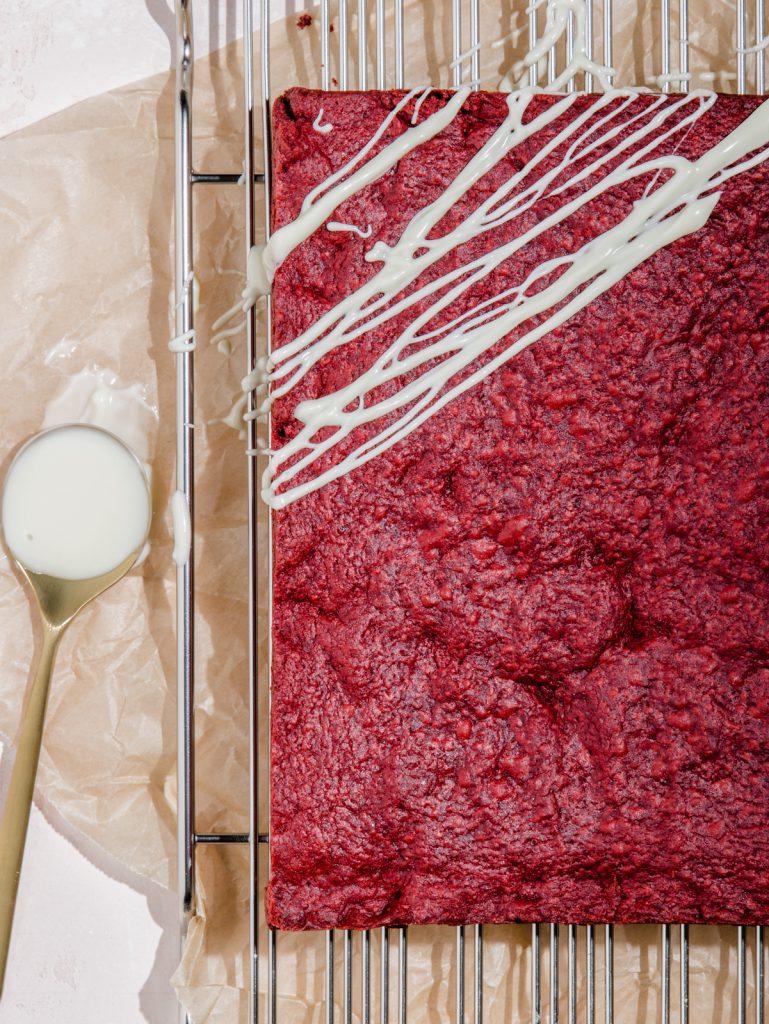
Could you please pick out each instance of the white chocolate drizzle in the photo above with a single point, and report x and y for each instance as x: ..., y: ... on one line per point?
x: 556, y: 25
x: 762, y: 44
x: 318, y: 125
x: 321, y: 202
x: 450, y: 359
x: 464, y: 56
x: 674, y: 78
x: 258, y: 283
x: 426, y: 366
x: 418, y: 104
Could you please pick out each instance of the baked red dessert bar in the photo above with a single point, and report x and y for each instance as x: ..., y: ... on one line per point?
x: 521, y: 657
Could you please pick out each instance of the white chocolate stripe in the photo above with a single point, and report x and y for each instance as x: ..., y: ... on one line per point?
x: 335, y: 225
x: 318, y: 125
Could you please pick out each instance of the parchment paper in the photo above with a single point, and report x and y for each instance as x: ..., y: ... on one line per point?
x: 86, y: 252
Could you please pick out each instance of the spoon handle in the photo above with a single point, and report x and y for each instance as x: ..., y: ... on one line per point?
x: 18, y: 799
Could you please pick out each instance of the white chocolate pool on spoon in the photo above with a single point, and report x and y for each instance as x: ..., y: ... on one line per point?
x: 75, y: 503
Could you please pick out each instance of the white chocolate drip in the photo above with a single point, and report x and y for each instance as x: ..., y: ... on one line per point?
x: 183, y: 342
x: 182, y: 528
x: 335, y: 225
x: 236, y: 416
x: 62, y: 351
x: 191, y: 284
x: 318, y: 125
x: 259, y: 378
x: 97, y: 397
x: 186, y: 342
x: 452, y: 358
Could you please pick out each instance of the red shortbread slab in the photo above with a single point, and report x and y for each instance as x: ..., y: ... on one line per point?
x: 521, y: 659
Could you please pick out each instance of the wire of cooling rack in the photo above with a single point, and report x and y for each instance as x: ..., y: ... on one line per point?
x: 185, y: 179
x: 388, y: 61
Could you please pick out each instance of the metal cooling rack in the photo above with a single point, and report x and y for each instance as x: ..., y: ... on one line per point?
x: 379, y: 62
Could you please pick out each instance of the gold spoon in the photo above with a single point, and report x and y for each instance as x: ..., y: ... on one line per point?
x: 58, y: 601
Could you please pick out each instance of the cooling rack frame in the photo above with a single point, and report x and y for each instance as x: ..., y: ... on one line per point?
x: 388, y: 67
